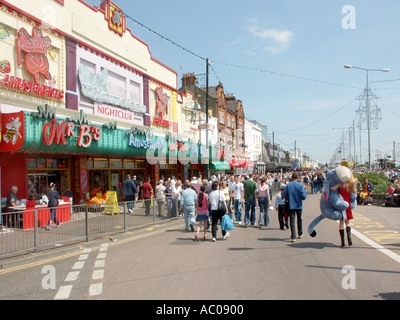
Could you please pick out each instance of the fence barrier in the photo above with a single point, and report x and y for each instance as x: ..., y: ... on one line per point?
x: 25, y: 231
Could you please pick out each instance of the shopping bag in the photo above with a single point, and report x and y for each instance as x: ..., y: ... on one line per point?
x: 221, y: 206
x: 227, y: 223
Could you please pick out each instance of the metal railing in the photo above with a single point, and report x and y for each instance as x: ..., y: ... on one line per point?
x: 25, y: 231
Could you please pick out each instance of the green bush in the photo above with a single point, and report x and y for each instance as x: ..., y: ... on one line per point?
x: 378, y: 180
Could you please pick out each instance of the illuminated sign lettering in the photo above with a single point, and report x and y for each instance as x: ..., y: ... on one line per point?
x: 57, y: 133
x: 32, y: 87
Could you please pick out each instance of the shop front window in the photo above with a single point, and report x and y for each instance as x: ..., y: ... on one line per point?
x: 116, y: 163
x: 98, y: 180
x: 100, y: 163
x: 42, y: 171
x: 129, y: 164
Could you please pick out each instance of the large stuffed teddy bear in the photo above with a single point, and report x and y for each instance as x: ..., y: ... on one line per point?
x: 332, y: 205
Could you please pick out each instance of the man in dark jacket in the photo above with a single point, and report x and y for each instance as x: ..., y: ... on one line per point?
x: 54, y: 197
x: 295, y: 193
x: 129, y: 191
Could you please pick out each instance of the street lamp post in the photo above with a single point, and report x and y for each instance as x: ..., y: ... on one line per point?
x: 367, y: 106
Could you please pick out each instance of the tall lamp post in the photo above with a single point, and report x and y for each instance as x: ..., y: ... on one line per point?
x: 348, y: 66
x: 207, y: 165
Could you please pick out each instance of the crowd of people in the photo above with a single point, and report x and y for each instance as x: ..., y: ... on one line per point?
x: 196, y: 199
x: 248, y: 201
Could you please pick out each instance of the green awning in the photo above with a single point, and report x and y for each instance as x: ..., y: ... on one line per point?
x: 220, y: 165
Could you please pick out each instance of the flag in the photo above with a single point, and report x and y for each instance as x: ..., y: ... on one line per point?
x: 12, y: 131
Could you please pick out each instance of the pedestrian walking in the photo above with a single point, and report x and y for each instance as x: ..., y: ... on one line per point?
x: 202, y: 213
x: 225, y: 189
x: 295, y: 193
x: 250, y: 187
x: 188, y: 207
x: 129, y: 190
x: 54, y: 198
x: 281, y: 208
x: 216, y: 215
x: 263, y: 199
x: 237, y: 190
x: 349, y: 194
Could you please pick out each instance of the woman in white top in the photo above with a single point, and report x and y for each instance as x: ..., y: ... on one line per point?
x: 178, y: 193
x: 216, y: 215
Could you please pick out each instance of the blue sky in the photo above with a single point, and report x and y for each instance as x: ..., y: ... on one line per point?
x: 284, y: 59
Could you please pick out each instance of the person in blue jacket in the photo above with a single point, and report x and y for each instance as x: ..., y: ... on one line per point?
x: 295, y: 193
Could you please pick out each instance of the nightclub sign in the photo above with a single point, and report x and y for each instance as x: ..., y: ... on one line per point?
x: 94, y: 86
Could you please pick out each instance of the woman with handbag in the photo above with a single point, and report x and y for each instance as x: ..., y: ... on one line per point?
x: 216, y: 199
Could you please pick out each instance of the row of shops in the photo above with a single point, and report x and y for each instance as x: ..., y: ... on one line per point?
x: 38, y: 150
x: 82, y: 114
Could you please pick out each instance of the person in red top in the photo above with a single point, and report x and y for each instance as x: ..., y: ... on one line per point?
x: 388, y: 195
x: 147, y: 193
x: 349, y: 194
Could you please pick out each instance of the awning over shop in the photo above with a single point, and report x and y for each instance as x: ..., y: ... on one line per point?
x: 241, y: 163
x: 220, y: 165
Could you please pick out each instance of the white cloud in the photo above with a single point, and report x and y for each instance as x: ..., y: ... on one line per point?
x: 278, y: 40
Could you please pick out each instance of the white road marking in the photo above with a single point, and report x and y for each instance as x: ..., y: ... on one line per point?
x: 63, y: 292
x: 101, y: 255
x: 377, y: 246
x: 99, y: 263
x: 72, y: 276
x: 95, y: 289
x: 98, y: 274
x: 78, y: 265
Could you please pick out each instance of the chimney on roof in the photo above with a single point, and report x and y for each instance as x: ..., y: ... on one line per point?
x: 188, y: 80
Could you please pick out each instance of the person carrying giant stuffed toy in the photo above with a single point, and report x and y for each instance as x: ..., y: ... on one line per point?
x: 332, y: 205
x: 348, y: 192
